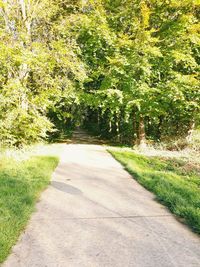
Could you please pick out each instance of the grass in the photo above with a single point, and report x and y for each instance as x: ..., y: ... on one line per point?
x: 175, y: 182
x: 21, y: 183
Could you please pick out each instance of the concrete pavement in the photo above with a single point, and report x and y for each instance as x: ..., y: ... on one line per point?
x: 95, y: 215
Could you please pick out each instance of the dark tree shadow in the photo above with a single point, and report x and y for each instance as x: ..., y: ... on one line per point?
x: 66, y: 188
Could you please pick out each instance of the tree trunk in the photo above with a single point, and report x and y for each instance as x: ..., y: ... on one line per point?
x: 24, y: 68
x: 141, y: 132
x: 134, y: 128
x: 190, y: 132
x: 25, y: 6
x: 117, y: 126
x: 110, y: 126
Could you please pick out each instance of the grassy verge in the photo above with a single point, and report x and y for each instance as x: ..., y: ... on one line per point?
x: 20, y: 186
x: 175, y: 182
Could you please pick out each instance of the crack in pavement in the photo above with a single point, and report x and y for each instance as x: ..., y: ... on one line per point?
x: 108, y: 217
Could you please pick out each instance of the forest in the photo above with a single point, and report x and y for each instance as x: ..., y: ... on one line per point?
x: 125, y: 70
x: 124, y: 75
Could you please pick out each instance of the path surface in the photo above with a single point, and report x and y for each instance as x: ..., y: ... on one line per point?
x: 95, y: 214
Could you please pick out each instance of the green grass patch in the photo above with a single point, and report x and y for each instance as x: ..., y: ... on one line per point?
x: 175, y: 182
x: 20, y: 186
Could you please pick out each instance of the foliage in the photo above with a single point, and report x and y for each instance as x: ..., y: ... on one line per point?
x: 39, y: 65
x: 129, y: 68
x: 175, y: 182
x: 149, y: 67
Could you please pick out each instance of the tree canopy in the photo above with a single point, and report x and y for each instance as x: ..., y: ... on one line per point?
x: 126, y: 69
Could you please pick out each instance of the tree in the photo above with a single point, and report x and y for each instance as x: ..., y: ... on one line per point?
x: 39, y: 65
x: 130, y: 70
x: 150, y: 60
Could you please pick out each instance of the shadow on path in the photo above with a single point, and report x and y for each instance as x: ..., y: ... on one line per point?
x: 82, y: 137
x: 66, y: 188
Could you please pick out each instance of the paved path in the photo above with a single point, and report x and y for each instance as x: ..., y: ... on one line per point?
x: 95, y: 214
